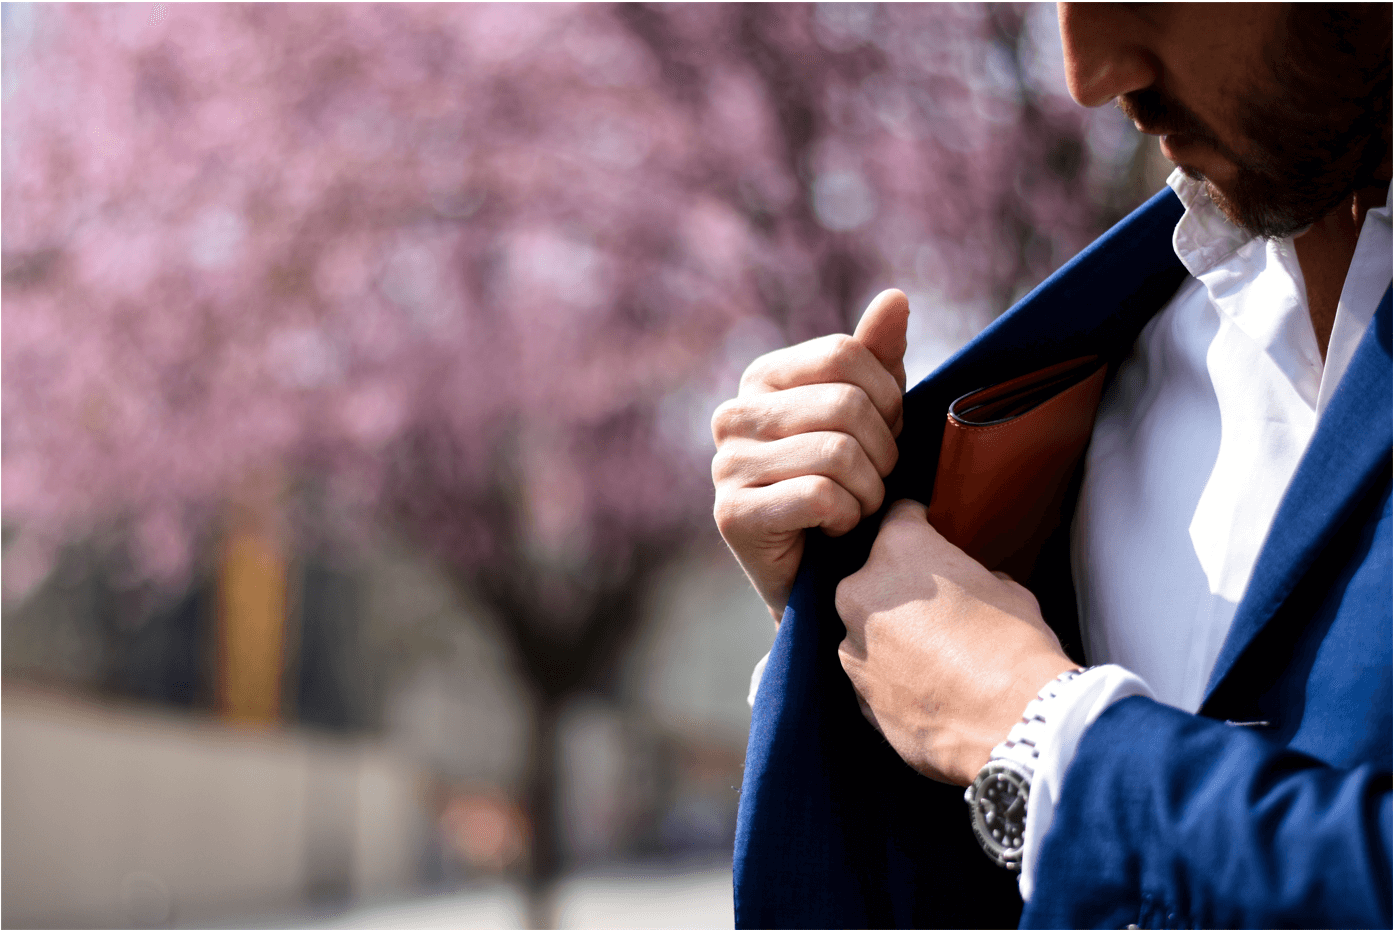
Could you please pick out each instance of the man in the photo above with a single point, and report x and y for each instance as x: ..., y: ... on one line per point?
x: 1226, y: 760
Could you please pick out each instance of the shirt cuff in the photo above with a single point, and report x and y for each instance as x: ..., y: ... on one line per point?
x: 756, y: 675
x: 1068, y: 714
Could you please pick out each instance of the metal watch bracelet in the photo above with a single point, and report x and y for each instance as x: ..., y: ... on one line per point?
x: 997, y: 797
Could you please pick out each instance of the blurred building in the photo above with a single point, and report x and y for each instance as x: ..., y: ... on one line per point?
x: 121, y: 815
x: 393, y: 770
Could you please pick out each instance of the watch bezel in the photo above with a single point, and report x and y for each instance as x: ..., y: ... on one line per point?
x: 998, y: 772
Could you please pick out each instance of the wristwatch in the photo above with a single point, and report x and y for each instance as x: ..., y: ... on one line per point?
x: 997, y: 797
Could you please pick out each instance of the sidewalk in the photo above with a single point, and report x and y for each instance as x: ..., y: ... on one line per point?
x: 638, y: 897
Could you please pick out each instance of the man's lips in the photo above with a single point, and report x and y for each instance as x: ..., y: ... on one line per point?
x: 1174, y: 144
x: 1180, y: 135
x: 1162, y: 129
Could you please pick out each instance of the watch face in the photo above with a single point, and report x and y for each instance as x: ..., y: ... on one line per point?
x: 998, y: 799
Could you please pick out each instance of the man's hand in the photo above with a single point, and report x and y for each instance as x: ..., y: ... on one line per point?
x: 807, y: 441
x: 943, y: 653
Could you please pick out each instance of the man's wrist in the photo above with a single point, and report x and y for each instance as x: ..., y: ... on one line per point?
x: 1021, y: 742
x: 999, y: 794
x: 1046, y: 673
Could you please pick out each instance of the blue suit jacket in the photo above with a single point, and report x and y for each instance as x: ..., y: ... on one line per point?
x: 1167, y: 819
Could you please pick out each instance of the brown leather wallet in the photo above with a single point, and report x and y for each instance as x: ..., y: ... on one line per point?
x: 1007, y: 458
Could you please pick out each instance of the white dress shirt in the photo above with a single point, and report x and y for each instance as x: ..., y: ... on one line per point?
x: 1196, y: 441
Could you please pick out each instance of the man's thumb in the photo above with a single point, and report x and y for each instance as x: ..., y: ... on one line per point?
x: 882, y: 330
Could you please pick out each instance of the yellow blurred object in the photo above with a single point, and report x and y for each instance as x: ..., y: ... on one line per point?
x: 252, y: 608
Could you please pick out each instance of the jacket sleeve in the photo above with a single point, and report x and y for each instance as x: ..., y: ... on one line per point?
x: 1168, y: 819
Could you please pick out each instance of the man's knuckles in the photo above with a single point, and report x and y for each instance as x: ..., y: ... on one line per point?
x: 732, y: 515
x: 852, y: 654
x: 1016, y: 589
x: 730, y: 463
x: 904, y: 534
x: 756, y: 378
x: 851, y: 411
x: 828, y: 359
x: 828, y: 504
x: 753, y: 416
x: 843, y: 359
x: 847, y: 403
x: 850, y: 599
x: 844, y: 355
x: 839, y: 454
x: 731, y: 418
x: 839, y: 408
x: 833, y: 455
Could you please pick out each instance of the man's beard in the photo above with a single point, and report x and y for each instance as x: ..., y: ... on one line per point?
x: 1323, y: 134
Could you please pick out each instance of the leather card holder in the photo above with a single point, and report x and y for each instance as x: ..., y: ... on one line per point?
x: 1006, y: 461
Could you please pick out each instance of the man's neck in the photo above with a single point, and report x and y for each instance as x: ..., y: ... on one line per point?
x: 1324, y: 255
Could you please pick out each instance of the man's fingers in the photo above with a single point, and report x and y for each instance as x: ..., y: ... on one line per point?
x: 913, y: 513
x: 907, y: 526
x: 907, y: 522
x: 907, y: 509
x: 833, y: 455
x: 795, y: 504
x: 904, y: 522
x: 810, y: 408
x: 882, y: 330
x: 827, y: 360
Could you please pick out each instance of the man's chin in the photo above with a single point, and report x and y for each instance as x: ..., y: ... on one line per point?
x: 1260, y: 202
x: 1256, y: 205
x: 1230, y: 209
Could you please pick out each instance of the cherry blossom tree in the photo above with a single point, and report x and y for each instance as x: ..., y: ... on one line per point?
x: 480, y: 273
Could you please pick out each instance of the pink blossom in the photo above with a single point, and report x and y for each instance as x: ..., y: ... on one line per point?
x: 239, y: 237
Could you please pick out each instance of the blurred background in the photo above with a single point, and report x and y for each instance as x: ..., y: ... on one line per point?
x: 358, y: 566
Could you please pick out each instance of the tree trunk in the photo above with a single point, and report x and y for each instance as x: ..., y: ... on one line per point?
x: 542, y: 787
x: 557, y: 657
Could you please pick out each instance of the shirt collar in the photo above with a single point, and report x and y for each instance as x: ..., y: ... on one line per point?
x: 1257, y: 284
x: 1254, y: 283
x: 1203, y: 237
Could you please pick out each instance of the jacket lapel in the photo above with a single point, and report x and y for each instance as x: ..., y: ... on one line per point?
x: 1351, y: 443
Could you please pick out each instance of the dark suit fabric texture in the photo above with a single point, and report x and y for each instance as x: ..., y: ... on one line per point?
x: 1167, y: 818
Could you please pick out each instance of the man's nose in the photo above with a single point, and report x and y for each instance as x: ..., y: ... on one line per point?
x: 1104, y: 52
